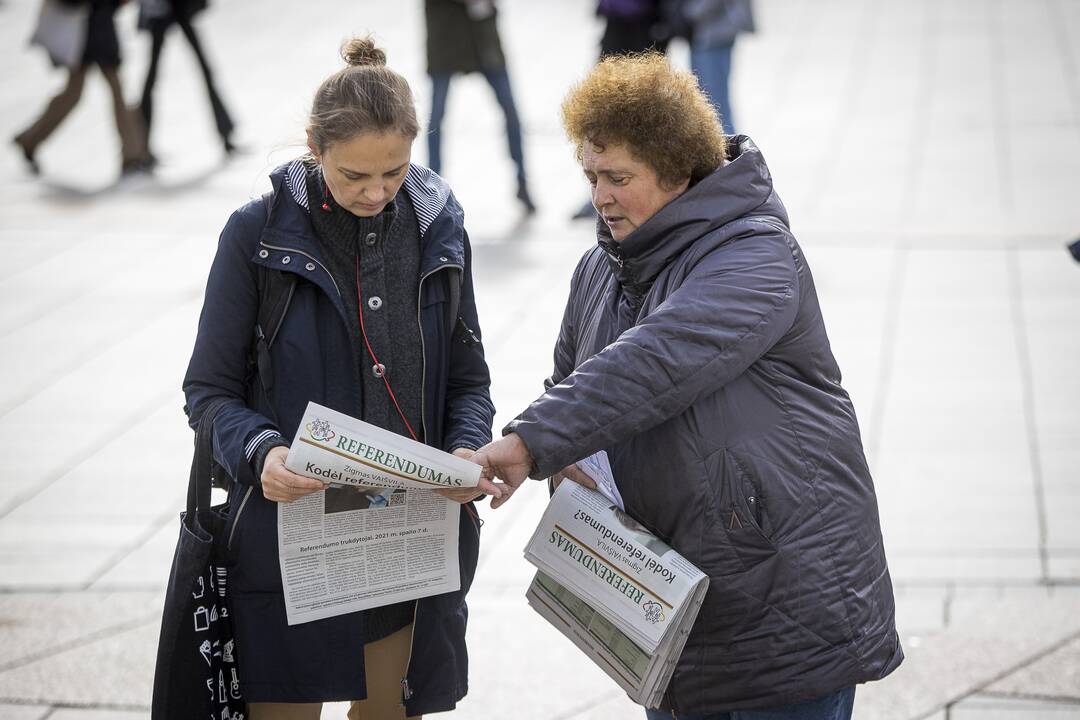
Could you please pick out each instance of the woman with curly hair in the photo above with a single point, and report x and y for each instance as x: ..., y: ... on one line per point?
x: 693, y: 351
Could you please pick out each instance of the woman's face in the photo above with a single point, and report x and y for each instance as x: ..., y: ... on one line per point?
x: 625, y: 191
x: 365, y: 173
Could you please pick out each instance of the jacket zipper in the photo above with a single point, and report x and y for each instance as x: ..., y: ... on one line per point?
x: 236, y: 520
x: 423, y: 349
x: 406, y: 691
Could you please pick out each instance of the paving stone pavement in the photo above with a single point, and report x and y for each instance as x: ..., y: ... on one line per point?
x: 928, y: 152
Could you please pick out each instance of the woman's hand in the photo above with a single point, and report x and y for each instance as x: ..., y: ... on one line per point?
x: 280, y: 484
x: 508, y: 459
x: 464, y: 495
x: 574, y: 473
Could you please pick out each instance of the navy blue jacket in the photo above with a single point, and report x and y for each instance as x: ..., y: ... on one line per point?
x: 313, y: 359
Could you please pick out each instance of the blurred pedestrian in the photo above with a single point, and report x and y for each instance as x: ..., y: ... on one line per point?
x: 379, y: 293
x: 630, y: 26
x: 693, y: 351
x: 101, y: 47
x: 462, y: 37
x: 157, y: 16
x: 714, y: 26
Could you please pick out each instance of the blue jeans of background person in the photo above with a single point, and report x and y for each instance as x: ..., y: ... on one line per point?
x: 712, y: 66
x: 835, y: 706
x: 499, y: 80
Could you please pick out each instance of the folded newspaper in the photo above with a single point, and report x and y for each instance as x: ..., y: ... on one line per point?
x: 339, y: 449
x: 377, y: 535
x: 626, y: 599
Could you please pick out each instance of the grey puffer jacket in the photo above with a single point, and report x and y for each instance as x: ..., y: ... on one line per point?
x: 695, y: 354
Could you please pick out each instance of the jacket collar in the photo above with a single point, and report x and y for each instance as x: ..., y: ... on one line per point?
x: 429, y: 192
x: 737, y: 189
x: 440, y: 217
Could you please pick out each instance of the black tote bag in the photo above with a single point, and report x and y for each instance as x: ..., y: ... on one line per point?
x: 197, y: 675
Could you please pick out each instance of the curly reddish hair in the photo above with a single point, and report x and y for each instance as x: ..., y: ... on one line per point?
x: 658, y: 112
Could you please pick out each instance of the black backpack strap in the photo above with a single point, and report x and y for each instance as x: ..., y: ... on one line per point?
x: 455, y: 299
x: 275, y: 293
x: 458, y: 329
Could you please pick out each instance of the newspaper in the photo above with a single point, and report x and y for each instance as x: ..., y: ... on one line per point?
x: 598, y: 467
x: 339, y: 449
x: 623, y: 596
x: 378, y: 535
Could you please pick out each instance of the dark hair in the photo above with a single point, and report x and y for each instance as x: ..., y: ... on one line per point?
x: 366, y: 96
x: 658, y: 112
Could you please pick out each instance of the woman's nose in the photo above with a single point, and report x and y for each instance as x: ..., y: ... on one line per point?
x: 600, y: 196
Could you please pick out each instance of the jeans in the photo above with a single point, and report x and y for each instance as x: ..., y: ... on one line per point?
x: 499, y: 80
x: 835, y: 706
x: 713, y: 68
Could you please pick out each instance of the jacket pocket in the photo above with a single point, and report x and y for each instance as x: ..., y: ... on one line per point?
x: 748, y: 496
x: 740, y: 506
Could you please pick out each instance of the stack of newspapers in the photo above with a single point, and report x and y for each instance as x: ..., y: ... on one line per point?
x: 625, y: 598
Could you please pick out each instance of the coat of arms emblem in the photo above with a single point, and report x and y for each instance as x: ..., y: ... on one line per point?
x: 320, y: 430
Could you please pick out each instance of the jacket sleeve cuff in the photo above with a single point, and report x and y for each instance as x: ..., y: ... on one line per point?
x: 544, y: 464
x: 261, y: 444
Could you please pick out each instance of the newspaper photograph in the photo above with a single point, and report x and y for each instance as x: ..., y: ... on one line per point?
x: 342, y: 450
x: 379, y: 534
x: 622, y: 595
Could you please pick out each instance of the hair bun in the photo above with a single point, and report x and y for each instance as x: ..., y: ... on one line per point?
x: 362, y: 51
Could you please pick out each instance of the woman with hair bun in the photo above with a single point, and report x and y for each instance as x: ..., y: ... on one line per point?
x: 380, y: 324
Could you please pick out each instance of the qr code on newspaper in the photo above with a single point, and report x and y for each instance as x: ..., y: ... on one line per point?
x: 398, y: 498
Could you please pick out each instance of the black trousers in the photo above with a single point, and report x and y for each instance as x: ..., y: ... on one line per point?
x: 157, y: 32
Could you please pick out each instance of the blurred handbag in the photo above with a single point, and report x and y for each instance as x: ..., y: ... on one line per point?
x: 61, y: 30
x: 197, y: 675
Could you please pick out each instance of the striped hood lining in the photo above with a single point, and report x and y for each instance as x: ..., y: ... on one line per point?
x: 428, y: 192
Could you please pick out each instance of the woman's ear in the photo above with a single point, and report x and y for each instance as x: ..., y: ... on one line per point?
x: 312, y: 148
x: 678, y: 187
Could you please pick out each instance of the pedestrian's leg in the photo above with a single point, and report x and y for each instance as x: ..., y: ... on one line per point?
x: 284, y: 711
x: 221, y: 115
x: 386, y: 662
x: 500, y: 83
x: 146, y: 105
x: 499, y: 80
x: 128, y: 122
x: 57, y: 109
x: 440, y: 87
x: 713, y: 69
